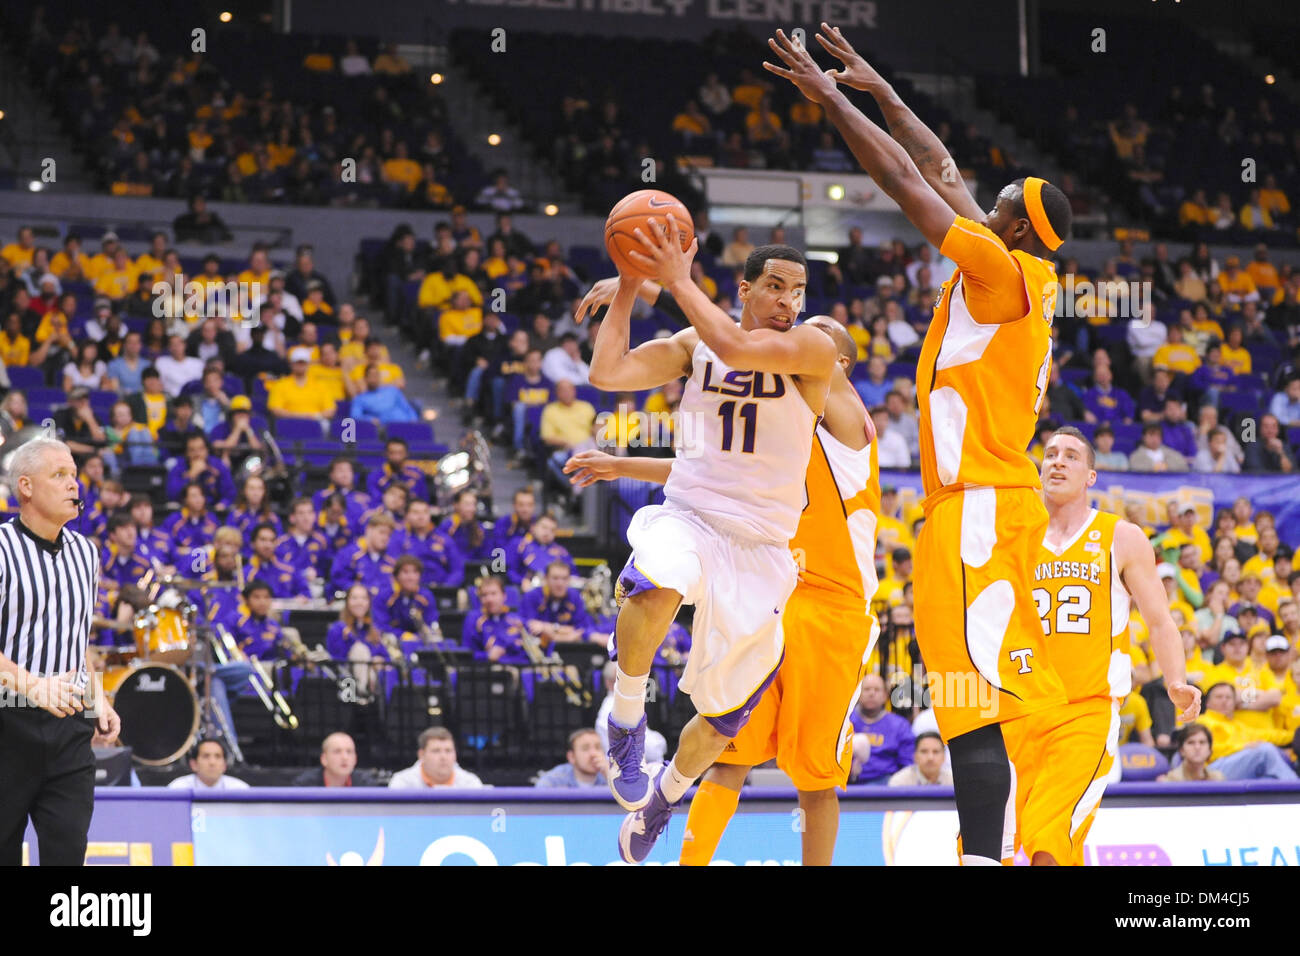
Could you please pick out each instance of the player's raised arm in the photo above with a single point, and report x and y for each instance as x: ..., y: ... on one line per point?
x: 1137, y: 568
x: 925, y: 149
x: 617, y: 368
x: 800, y: 351
x: 884, y: 160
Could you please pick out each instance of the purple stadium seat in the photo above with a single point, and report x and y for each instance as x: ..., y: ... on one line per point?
x: 297, y: 429
x: 1140, y: 762
x: 26, y: 377
x: 412, y: 431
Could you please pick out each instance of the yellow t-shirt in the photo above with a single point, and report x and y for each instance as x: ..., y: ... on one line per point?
x: 15, y: 351
x: 1134, y: 716
x: 748, y: 94
x: 1260, y: 564
x: 436, y: 290
x: 571, y: 424
x: 389, y: 373
x: 1176, y: 538
x: 18, y: 257
x: 155, y: 412
x: 404, y: 171
x: 1236, y: 359
x: 1240, y: 284
x: 462, y: 322
x: 1275, y: 201
x: 49, y: 322
x: 1247, y: 533
x: 61, y: 264
x: 684, y: 123
x: 117, y: 283
x: 1178, y: 356
x: 287, y: 397
x: 310, y: 308
x: 1263, y: 274
x: 329, y: 379
x: 280, y: 155
x: 98, y: 265
x: 1250, y: 679
x: 318, y: 62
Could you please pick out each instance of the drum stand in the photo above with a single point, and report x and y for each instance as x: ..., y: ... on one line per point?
x: 212, y: 722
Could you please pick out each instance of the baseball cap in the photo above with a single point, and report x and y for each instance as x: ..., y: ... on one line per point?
x: 314, y: 284
x: 1167, y: 570
x: 885, y: 280
x: 103, y: 303
x: 1232, y: 636
x: 241, y: 403
x: 300, y: 353
x: 275, y: 274
x: 1247, y: 607
x: 78, y: 393
x: 109, y: 236
x: 1277, y: 643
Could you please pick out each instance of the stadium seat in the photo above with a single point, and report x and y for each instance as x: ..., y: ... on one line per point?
x: 411, y: 431
x: 25, y: 377
x: 1140, y: 762
x: 46, y: 396
x: 297, y: 429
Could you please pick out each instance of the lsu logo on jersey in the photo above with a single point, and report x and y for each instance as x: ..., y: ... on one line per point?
x: 739, y: 384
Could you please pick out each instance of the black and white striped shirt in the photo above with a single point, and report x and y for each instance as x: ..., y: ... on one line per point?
x: 47, y: 599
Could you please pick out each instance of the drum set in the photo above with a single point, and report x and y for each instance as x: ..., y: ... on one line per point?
x: 161, y: 685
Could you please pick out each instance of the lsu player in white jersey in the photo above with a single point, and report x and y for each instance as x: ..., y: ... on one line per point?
x: 803, y: 719
x: 1089, y: 567
x: 732, y: 503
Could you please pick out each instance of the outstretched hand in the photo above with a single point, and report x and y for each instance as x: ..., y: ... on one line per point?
x: 857, y: 72
x: 813, y: 82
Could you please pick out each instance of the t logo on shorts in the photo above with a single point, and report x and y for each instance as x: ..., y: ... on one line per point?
x: 1021, y: 656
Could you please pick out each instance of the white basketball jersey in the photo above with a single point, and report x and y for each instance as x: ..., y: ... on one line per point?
x: 742, y: 444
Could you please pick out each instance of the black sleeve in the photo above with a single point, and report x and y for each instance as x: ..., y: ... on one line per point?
x: 666, y: 303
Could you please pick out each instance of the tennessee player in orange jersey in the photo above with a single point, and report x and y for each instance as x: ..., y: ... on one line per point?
x: 980, y: 381
x: 1089, y: 565
x: 803, y: 718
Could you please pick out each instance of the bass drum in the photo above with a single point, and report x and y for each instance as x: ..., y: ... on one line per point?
x: 160, y: 713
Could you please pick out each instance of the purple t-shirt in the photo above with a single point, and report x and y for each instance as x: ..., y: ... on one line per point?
x: 892, y: 745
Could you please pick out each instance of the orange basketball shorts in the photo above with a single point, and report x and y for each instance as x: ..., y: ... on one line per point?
x: 803, y: 718
x: 980, y: 636
x: 1060, y: 759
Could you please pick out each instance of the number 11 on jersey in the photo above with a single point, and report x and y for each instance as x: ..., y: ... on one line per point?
x: 749, y: 412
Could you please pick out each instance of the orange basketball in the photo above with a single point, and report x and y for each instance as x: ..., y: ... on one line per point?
x: 634, y: 211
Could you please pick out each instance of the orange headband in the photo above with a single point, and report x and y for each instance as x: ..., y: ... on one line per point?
x: 1038, y: 215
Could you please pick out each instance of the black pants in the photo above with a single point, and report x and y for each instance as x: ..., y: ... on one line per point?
x: 47, y: 772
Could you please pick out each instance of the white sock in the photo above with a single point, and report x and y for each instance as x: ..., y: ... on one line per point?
x: 629, y: 698
x: 970, y: 859
x: 675, y: 783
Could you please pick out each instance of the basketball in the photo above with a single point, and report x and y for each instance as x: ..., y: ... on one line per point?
x: 634, y: 211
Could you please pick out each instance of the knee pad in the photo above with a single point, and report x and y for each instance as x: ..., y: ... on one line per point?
x: 981, y: 776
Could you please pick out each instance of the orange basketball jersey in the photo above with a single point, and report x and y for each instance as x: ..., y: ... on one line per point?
x: 984, y: 365
x: 1085, y: 611
x: 835, y: 543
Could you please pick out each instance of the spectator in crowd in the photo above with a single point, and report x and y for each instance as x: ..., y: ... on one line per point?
x: 1176, y: 432
x: 201, y: 467
x: 87, y: 371
x: 890, y: 446
x: 440, y: 557
x: 564, y: 362
x: 1195, y: 750
x: 929, y: 768
x: 566, y: 426
x: 464, y: 528
x: 366, y: 560
x: 1268, y: 453
x: 496, y: 632
x: 1285, y: 406
x: 356, y: 624
x: 435, y: 765
x: 303, y: 547
x: 1153, y: 454
x: 297, y: 395
x: 500, y: 195
x: 556, y: 612
x: 382, y: 402
x: 1242, y: 752
x: 903, y: 419
x: 199, y: 224
x: 338, y: 765
x: 737, y: 251
x: 208, y: 762
x: 404, y: 606
x: 304, y: 273
x: 78, y: 426
x: 585, y: 764
x: 538, y: 549
x: 884, y: 736
x: 1107, y: 458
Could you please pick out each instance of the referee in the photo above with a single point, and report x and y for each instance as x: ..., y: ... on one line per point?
x: 48, y: 580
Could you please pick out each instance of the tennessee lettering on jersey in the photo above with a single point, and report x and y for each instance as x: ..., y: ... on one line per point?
x: 1084, y: 608
x: 984, y: 365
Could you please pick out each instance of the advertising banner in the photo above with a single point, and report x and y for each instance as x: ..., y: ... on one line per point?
x: 133, y: 826
x: 763, y: 833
